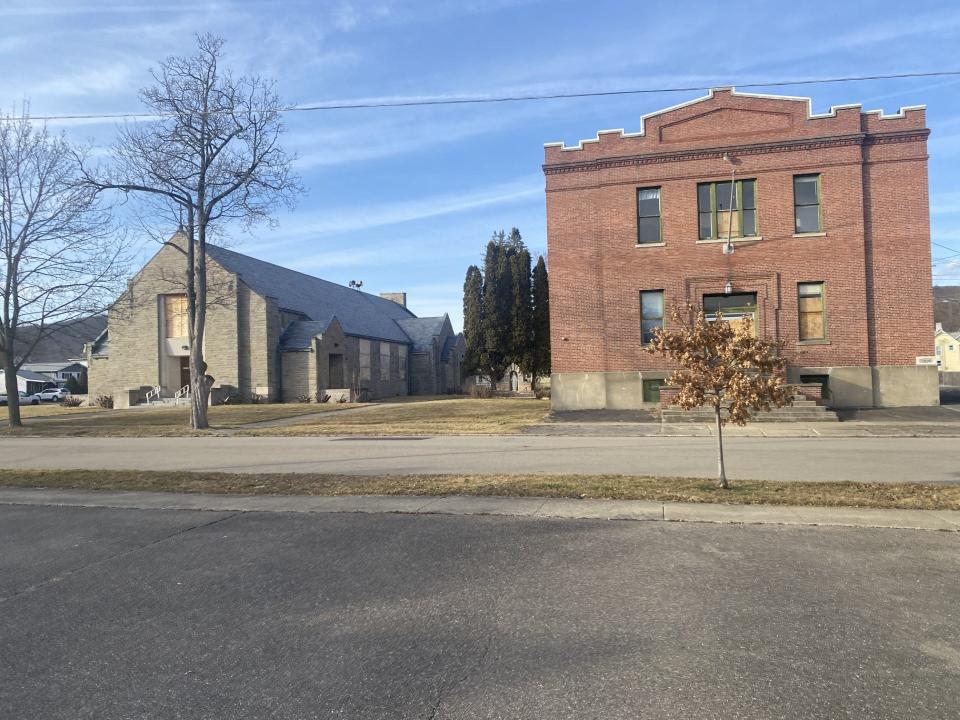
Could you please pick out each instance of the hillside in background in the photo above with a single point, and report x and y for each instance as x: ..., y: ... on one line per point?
x: 65, y: 342
x: 946, y: 306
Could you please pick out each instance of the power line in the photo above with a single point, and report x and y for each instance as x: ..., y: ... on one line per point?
x: 454, y: 100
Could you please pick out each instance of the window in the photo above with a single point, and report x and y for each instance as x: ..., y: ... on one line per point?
x: 733, y: 307
x: 806, y: 204
x: 722, y: 213
x: 648, y: 216
x: 811, y: 311
x: 365, y: 360
x: 175, y: 316
x: 940, y: 350
x: 651, y: 390
x: 384, y: 361
x: 403, y: 362
x: 651, y: 314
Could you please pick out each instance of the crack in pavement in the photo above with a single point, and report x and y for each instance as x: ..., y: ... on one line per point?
x: 445, y: 688
x: 123, y: 553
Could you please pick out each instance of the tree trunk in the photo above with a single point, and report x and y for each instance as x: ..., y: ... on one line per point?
x: 199, y: 380
x: 721, y: 470
x: 13, y: 396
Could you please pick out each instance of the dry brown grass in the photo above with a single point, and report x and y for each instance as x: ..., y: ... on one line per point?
x: 157, y: 421
x: 46, y: 410
x: 447, y: 416
x: 905, y: 496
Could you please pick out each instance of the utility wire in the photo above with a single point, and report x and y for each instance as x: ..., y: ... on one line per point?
x: 453, y: 100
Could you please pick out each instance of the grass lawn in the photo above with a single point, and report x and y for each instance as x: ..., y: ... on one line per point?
x: 664, y: 489
x: 46, y: 410
x: 448, y: 416
x: 155, y: 421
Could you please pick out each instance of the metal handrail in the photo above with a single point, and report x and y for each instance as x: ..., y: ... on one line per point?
x: 183, y: 392
x: 155, y: 393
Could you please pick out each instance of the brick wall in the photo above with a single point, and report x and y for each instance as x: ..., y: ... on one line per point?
x: 873, y: 254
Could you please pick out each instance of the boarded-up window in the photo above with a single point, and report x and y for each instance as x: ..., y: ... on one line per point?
x: 175, y: 316
x: 812, y: 312
x: 384, y: 361
x: 727, y: 209
x: 364, y: 360
x: 403, y: 362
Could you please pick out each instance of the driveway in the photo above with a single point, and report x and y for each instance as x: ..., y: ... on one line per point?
x: 893, y: 459
x: 116, y: 614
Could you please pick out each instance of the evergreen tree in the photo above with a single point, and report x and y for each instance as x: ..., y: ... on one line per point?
x: 521, y: 334
x: 540, y: 322
x: 473, y: 320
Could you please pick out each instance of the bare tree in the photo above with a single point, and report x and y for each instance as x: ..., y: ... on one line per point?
x: 62, y: 258
x: 210, y: 158
x: 723, y: 365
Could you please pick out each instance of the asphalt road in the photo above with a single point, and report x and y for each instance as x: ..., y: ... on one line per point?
x: 119, y: 614
x: 893, y: 459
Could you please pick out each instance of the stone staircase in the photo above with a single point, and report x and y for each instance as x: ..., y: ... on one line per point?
x: 802, y: 410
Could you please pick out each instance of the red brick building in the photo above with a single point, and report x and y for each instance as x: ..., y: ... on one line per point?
x: 815, y: 225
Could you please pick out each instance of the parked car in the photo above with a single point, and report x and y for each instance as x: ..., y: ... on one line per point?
x: 54, y: 394
x: 25, y: 398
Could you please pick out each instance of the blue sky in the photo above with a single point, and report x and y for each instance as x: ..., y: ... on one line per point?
x: 406, y: 198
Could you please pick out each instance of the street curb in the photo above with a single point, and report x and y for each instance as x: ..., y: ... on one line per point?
x: 535, y: 507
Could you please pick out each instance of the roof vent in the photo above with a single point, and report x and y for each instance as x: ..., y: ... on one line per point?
x: 400, y: 298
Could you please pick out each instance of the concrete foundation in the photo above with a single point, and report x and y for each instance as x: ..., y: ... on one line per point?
x: 848, y: 387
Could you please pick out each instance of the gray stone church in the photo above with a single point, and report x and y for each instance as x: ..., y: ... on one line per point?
x: 273, y: 334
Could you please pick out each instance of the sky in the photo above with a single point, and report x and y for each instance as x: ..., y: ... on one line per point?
x: 405, y: 199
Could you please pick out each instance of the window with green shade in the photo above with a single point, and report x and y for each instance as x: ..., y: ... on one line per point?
x: 648, y: 216
x: 651, y: 314
x: 727, y: 208
x: 806, y: 204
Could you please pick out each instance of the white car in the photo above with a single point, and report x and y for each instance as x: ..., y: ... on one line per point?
x: 25, y: 398
x: 56, y: 394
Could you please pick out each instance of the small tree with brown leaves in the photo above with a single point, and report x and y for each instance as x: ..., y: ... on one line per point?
x: 724, y: 366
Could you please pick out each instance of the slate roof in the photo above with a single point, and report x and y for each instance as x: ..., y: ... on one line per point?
x: 359, y: 313
x: 449, y: 345
x: 299, y: 334
x: 101, y: 344
x: 422, y: 330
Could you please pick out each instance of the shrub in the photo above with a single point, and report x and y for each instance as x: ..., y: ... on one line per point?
x: 541, y: 393
x: 322, y: 397
x: 481, y: 391
x: 72, y: 401
x: 342, y: 399
x: 304, y: 399
x: 104, y: 401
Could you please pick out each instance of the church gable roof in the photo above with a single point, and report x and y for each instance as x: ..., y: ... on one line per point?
x: 359, y: 313
x: 422, y: 331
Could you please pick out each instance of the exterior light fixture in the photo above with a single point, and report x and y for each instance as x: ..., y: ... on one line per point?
x: 728, y: 288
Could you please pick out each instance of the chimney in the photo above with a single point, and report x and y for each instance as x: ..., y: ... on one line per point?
x: 938, y: 328
x: 400, y: 298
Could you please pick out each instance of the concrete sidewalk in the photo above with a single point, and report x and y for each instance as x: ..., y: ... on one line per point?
x: 948, y: 520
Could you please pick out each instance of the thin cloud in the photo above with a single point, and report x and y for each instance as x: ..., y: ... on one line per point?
x: 325, y: 222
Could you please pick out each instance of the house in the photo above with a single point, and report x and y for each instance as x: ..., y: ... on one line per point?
x: 947, y: 349
x: 33, y: 382
x: 816, y: 226
x: 58, y: 372
x: 273, y: 334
